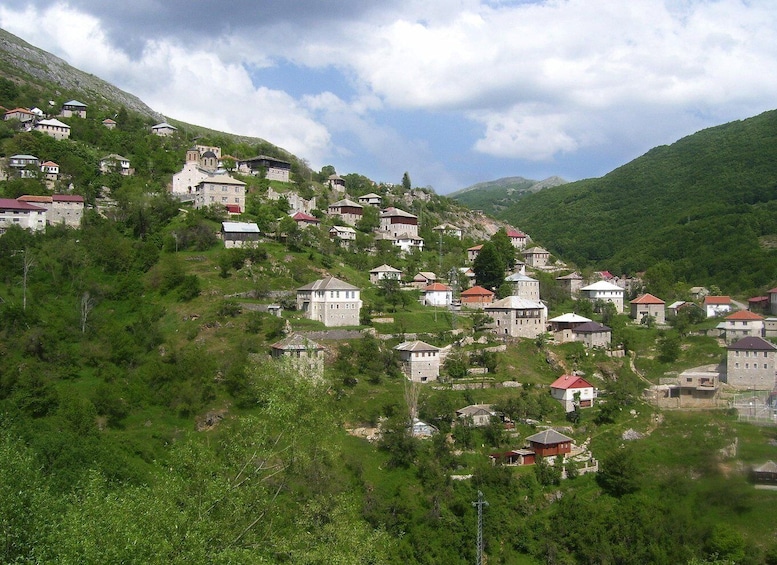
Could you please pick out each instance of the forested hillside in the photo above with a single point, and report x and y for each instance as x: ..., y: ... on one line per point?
x: 702, y: 210
x: 494, y: 196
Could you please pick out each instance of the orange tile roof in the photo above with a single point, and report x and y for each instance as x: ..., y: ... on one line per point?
x: 744, y: 315
x: 477, y: 291
x: 570, y: 381
x: 717, y: 300
x: 647, y: 299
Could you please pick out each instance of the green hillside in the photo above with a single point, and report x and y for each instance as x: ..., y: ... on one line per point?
x: 144, y: 421
x: 493, y: 197
x: 702, y: 210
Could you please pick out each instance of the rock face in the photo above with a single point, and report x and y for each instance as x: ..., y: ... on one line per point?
x: 47, y: 68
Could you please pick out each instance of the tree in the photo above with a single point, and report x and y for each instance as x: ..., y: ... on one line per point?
x: 619, y: 473
x: 504, y: 248
x: 669, y: 347
x: 489, y: 267
x: 406, y: 184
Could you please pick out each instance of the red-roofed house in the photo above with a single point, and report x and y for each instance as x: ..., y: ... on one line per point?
x: 19, y: 213
x: 571, y: 390
x: 742, y: 324
x: 476, y: 297
x: 717, y: 305
x: 549, y: 443
x: 304, y: 220
x: 518, y: 239
x: 437, y: 294
x: 21, y: 114
x: 648, y: 305
x: 758, y: 304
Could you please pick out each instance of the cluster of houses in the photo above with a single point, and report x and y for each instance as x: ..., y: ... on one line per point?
x: 35, y: 212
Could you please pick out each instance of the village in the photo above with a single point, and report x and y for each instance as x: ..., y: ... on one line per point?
x: 499, y: 315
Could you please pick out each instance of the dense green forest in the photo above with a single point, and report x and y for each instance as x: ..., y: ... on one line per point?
x: 702, y: 210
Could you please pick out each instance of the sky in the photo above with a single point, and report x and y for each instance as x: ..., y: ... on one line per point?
x: 454, y: 92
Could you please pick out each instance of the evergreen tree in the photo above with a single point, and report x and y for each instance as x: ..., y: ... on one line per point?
x: 489, y: 267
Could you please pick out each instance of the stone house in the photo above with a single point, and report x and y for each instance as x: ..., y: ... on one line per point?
x: 304, y: 220
x: 67, y: 209
x: 305, y: 354
x: 109, y: 123
x: 26, y: 166
x: 479, y: 414
x: 336, y: 183
x: 648, y: 305
x: 330, y: 301
x: 423, y: 279
x: 716, y: 305
x: 420, y: 361
x: 384, y: 272
x: 73, y: 108
x: 163, y: 129
x: 536, y: 257
x: 347, y: 210
x: 239, y: 234
x: 772, y: 301
x: 220, y: 190
x: 518, y: 317
x: 592, y: 334
x: 50, y: 171
x: 21, y: 114
x: 476, y: 297
x: 571, y: 391
x: 742, y: 324
x: 473, y: 252
x: 398, y: 222
x: 750, y: 363
x: 53, y: 127
x: 606, y: 292
x: 270, y: 167
x: 571, y: 283
x: 562, y: 326
x: 524, y: 286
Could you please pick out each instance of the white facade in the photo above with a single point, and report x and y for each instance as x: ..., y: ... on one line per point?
x: 22, y: 214
x: 437, y: 294
x: 115, y: 164
x: 606, y: 292
x: 398, y: 222
x: 330, y: 301
x: 408, y: 242
x: 571, y: 389
x: 343, y: 233
x: 164, y: 129
x: 384, y: 272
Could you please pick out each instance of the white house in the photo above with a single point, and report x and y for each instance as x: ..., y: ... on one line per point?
x: 27, y: 166
x: 371, y: 199
x: 479, y: 414
x: 407, y: 242
x: 717, y: 305
x: 742, y: 324
x: 606, y: 292
x: 22, y: 214
x: 517, y: 238
x: 342, y: 233
x: 115, y: 163
x: 53, y: 127
x: 437, y: 294
x: 384, y: 272
x: 330, y: 301
x: 571, y: 390
x: 420, y: 361
x: 448, y: 229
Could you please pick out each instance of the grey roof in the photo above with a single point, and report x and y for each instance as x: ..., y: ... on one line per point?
x: 389, y: 212
x: 752, y: 343
x: 416, y: 346
x: 164, y: 125
x: 328, y: 283
x: 370, y: 196
x: 296, y: 342
x: 548, y: 437
x: 590, y: 328
x: 520, y: 277
x: 345, y: 202
x: 385, y: 269
x: 768, y: 467
x: 476, y: 410
x: 75, y: 103
x: 53, y: 122
x: 515, y: 303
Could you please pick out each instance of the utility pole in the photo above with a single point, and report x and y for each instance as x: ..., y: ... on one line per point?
x: 480, y: 504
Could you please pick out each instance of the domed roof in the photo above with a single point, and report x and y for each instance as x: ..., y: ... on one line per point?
x: 209, y: 155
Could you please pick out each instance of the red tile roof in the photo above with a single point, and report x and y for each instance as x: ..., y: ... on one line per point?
x: 475, y: 248
x: 437, y: 287
x: 67, y: 198
x: 717, y: 300
x: 515, y: 233
x: 303, y: 217
x: 647, y: 299
x: 477, y: 291
x: 11, y: 204
x: 744, y: 315
x: 570, y: 381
